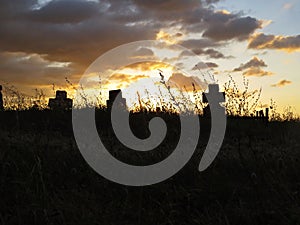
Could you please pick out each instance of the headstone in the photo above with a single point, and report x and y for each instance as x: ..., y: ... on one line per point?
x: 120, y: 101
x: 215, y: 97
x: 267, y: 114
x: 60, y: 102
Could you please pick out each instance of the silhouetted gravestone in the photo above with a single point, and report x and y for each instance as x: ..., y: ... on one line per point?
x: 138, y: 121
x: 260, y: 115
x: 213, y: 93
x: 267, y: 114
x: 1, y: 99
x: 121, y: 103
x: 60, y: 102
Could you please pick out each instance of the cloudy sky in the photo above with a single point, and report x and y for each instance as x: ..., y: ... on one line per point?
x: 44, y: 41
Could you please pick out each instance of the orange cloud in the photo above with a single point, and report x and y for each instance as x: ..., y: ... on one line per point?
x: 282, y: 83
x: 168, y: 38
x: 285, y: 43
x: 258, y: 72
x: 223, y: 11
x: 122, y: 80
x: 126, y: 78
x: 148, y: 66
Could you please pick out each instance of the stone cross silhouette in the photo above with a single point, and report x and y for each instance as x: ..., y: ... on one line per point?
x: 215, y: 97
x: 218, y: 124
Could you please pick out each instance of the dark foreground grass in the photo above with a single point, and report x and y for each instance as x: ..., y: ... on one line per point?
x: 44, y: 179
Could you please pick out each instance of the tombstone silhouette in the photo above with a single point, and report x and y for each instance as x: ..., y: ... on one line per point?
x: 263, y: 116
x: 1, y: 99
x: 120, y: 101
x: 60, y: 102
x: 213, y: 93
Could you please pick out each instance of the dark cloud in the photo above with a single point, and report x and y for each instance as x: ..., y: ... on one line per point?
x: 79, y: 31
x: 254, y: 62
x: 205, y: 65
x: 31, y: 69
x: 168, y: 5
x: 80, y: 43
x: 281, y: 83
x: 212, y: 65
x: 211, y: 1
x: 199, y: 43
x: 65, y: 11
x: 286, y: 43
x: 223, y: 26
x: 212, y: 53
x: 15, y: 9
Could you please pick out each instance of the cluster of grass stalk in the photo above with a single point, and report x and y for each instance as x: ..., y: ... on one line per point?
x: 14, y: 100
x: 240, y: 101
x: 171, y: 99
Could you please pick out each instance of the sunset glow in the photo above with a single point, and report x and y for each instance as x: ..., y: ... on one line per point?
x: 238, y: 38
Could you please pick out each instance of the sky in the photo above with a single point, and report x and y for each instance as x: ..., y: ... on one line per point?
x: 44, y: 41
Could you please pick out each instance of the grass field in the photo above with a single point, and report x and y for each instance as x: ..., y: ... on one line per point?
x: 44, y: 179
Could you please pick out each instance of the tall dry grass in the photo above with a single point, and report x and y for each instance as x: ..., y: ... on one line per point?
x: 240, y: 100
